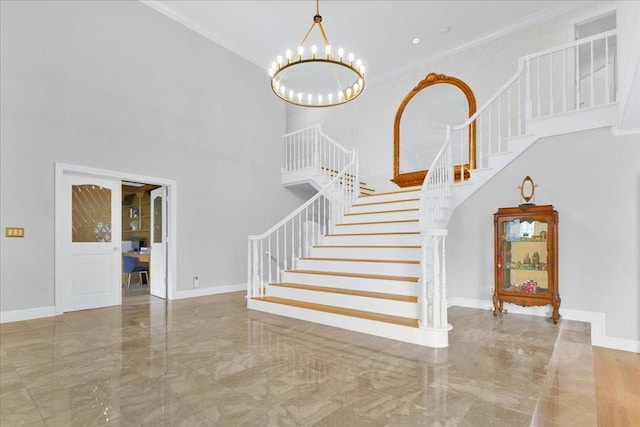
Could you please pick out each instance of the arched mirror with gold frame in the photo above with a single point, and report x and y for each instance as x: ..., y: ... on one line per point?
x: 419, y: 128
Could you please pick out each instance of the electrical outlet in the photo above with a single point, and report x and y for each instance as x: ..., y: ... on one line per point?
x: 491, y: 291
x: 196, y: 281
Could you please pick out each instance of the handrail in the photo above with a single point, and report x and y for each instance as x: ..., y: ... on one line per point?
x: 317, y: 126
x: 486, y: 105
x: 304, y: 205
x: 574, y: 43
x: 292, y: 236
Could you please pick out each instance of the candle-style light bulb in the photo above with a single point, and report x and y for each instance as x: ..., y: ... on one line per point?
x: 283, y: 90
x: 356, y: 87
x: 348, y: 92
x: 314, y: 50
x: 340, y: 54
x: 319, y: 99
x: 309, y: 99
x: 300, y: 98
x: 290, y: 94
x: 341, y: 96
x: 288, y: 55
x: 330, y: 96
x: 351, y: 56
x: 279, y: 59
x: 327, y: 50
x: 301, y: 51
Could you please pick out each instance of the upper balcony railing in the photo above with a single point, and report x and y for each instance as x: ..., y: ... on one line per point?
x: 311, y: 148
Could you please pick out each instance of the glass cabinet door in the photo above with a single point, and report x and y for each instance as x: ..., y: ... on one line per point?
x: 524, y: 256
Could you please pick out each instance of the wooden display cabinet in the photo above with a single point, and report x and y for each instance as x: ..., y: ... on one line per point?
x: 526, y: 257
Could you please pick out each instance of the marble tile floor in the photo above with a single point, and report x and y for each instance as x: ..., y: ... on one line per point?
x: 210, y: 361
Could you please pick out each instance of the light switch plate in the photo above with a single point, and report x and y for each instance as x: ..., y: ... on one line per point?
x: 14, y: 232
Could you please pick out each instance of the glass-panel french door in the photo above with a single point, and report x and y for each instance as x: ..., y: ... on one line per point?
x: 158, y: 242
x: 91, y: 244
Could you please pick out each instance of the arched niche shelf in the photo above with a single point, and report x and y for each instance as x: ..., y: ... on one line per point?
x: 431, y: 98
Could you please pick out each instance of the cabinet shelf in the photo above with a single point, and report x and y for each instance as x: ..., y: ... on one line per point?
x: 542, y: 270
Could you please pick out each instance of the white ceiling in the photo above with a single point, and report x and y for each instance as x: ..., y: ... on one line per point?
x: 379, y: 32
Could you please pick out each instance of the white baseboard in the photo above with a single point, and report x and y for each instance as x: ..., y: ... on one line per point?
x: 213, y: 290
x: 27, y: 314
x: 597, y: 321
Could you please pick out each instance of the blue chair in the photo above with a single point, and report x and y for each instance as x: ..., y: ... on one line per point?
x: 130, y: 265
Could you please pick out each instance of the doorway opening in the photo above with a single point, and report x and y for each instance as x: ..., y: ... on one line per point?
x: 138, y: 212
x: 128, y: 224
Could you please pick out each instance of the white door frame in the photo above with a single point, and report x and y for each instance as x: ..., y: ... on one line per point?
x: 172, y: 209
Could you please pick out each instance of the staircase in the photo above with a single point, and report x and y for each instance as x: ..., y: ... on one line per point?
x: 376, y: 263
x: 362, y: 275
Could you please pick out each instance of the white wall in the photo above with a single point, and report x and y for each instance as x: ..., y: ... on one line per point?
x: 118, y: 86
x: 367, y: 123
x: 628, y: 17
x: 593, y: 180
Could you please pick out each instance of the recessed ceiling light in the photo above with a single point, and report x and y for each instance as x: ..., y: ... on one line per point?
x: 445, y: 29
x: 415, y: 40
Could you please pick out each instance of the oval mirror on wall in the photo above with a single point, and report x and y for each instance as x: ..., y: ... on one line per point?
x: 420, y: 126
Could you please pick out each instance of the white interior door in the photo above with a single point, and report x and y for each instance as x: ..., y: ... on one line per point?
x: 158, y: 242
x: 91, y: 230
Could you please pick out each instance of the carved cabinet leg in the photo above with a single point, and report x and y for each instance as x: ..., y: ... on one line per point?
x: 497, y: 305
x: 556, y: 309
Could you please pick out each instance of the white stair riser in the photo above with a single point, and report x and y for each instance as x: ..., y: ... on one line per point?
x: 391, y: 227
x: 373, y: 239
x: 383, y: 268
x: 375, y: 305
x: 400, y: 204
x: 414, y: 194
x: 396, y: 287
x: 437, y: 338
x: 369, y: 253
x: 381, y: 216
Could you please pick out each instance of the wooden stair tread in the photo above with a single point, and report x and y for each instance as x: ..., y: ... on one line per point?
x: 384, y: 202
x: 342, y: 291
x: 334, y: 172
x: 370, y: 246
x: 378, y: 222
x: 390, y: 261
x: 382, y: 212
x: 375, y: 234
x: 404, y: 190
x: 358, y: 275
x: 403, y: 321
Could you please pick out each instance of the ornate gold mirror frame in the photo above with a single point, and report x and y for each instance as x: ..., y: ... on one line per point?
x: 409, y: 179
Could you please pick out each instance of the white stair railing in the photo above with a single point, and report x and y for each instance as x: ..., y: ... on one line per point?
x: 577, y: 75
x: 311, y: 148
x: 537, y: 89
x: 276, y: 250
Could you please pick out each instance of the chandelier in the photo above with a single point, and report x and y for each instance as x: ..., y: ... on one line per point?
x: 317, y: 77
